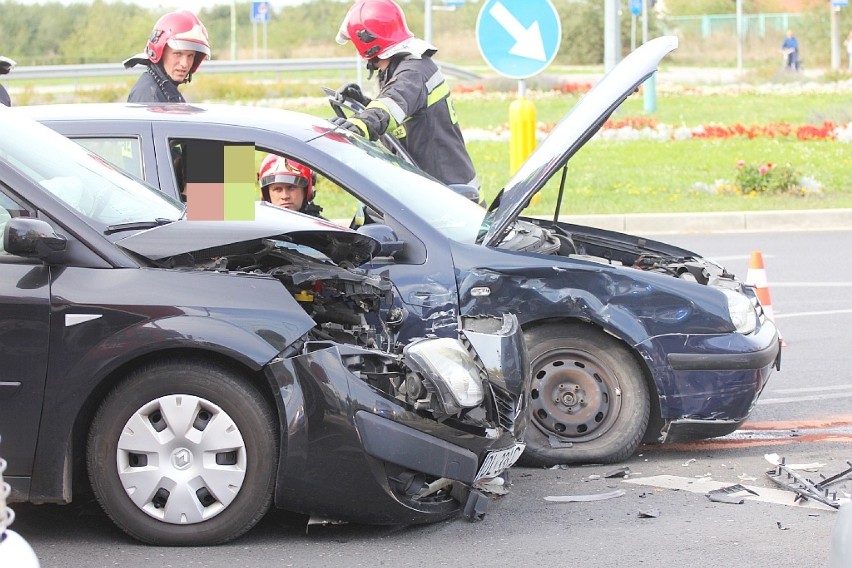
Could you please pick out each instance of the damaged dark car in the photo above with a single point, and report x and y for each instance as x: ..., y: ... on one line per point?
x: 194, y: 374
x: 630, y: 339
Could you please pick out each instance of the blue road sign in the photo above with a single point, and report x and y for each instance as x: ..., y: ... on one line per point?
x: 636, y: 7
x: 839, y: 3
x: 518, y: 38
x: 260, y: 12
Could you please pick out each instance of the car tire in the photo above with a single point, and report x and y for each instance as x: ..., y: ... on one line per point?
x: 588, y: 397
x: 184, y: 453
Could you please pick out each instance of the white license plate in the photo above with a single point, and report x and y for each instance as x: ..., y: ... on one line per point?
x: 498, y: 461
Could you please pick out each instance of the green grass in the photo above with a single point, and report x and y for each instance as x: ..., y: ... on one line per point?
x: 608, y: 177
x: 605, y: 176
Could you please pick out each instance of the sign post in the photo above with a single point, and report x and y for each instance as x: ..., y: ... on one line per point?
x: 519, y: 39
x: 260, y: 14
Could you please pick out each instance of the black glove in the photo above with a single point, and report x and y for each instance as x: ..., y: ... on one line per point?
x: 353, y: 92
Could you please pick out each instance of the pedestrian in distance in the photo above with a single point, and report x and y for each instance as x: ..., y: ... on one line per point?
x: 177, y: 46
x: 848, y: 43
x: 413, y: 103
x: 288, y: 184
x: 6, y: 65
x: 790, y: 50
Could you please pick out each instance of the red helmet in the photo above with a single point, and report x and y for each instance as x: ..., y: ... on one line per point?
x: 374, y: 26
x: 181, y: 31
x: 275, y: 169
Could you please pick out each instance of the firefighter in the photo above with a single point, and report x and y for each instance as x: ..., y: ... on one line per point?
x: 413, y: 103
x: 177, y: 46
x: 288, y: 184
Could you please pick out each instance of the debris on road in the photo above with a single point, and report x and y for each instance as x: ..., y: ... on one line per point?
x: 812, y: 467
x: 729, y: 494
x: 584, y: 498
x: 785, y: 476
x: 619, y: 472
x: 688, y: 462
x: 649, y: 513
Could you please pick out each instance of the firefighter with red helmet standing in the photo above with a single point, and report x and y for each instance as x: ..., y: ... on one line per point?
x: 288, y: 184
x: 413, y: 103
x: 177, y: 46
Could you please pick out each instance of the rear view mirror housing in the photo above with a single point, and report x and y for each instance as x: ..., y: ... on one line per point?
x: 33, y: 238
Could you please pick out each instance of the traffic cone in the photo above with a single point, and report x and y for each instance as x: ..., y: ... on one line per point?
x: 756, y: 276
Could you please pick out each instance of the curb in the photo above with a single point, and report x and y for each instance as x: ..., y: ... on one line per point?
x: 722, y: 222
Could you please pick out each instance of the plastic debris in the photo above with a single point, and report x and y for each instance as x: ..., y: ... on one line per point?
x: 688, y: 462
x: 812, y: 467
x: 729, y: 494
x: 746, y: 477
x: 649, y: 513
x: 786, y: 477
x: 620, y: 472
x: 782, y: 527
x: 583, y: 498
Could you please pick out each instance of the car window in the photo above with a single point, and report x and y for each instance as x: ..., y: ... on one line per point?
x: 124, y: 153
x: 9, y: 209
x: 455, y: 216
x: 85, y: 182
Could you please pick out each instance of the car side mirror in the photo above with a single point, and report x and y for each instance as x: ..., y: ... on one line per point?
x: 468, y: 191
x: 32, y: 238
x: 390, y: 243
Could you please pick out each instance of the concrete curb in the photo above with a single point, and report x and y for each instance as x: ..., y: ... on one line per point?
x: 724, y: 222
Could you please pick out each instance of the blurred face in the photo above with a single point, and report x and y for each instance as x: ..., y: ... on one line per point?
x: 177, y: 63
x: 287, y: 196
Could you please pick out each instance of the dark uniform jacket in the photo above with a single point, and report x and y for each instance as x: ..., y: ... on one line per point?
x: 154, y: 86
x: 423, y: 118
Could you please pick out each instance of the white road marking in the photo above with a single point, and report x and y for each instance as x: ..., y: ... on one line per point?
x: 705, y: 485
x: 807, y: 314
x: 812, y: 389
x: 831, y: 396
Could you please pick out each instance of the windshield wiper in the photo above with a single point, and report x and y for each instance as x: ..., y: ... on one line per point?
x: 137, y: 225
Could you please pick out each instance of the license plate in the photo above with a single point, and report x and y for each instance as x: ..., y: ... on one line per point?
x: 498, y: 461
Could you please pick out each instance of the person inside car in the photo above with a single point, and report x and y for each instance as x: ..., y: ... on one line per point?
x: 288, y: 184
x: 6, y: 65
x: 413, y: 103
x: 177, y: 46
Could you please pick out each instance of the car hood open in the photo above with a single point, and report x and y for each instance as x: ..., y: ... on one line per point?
x: 271, y: 222
x: 575, y: 129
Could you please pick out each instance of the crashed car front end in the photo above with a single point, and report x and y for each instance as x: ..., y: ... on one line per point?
x: 372, y: 431
x: 710, y: 356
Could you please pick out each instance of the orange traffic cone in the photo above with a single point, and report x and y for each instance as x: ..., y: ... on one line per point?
x: 756, y: 276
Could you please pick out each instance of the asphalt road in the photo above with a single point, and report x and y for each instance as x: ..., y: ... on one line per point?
x: 663, y: 518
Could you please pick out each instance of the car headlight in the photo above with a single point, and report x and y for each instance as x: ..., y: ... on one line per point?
x: 742, y: 311
x: 450, y: 369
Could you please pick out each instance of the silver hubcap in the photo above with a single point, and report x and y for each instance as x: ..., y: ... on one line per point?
x: 181, y: 459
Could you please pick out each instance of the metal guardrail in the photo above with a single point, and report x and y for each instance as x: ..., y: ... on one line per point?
x: 244, y: 66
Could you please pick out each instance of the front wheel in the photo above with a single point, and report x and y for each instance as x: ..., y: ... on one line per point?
x: 184, y: 453
x: 588, y: 398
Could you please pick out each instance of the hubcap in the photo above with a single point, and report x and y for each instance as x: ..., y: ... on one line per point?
x: 574, y: 395
x: 181, y: 459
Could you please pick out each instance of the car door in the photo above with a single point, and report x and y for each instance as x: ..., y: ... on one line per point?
x: 24, y: 346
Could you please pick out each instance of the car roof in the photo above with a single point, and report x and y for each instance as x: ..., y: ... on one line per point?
x: 296, y: 124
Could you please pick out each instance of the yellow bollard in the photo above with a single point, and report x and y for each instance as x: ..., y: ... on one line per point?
x: 521, y: 132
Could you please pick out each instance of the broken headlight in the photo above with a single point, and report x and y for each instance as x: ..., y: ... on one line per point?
x: 446, y: 364
x: 742, y: 311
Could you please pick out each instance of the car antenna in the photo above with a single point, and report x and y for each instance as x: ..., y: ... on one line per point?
x: 561, y: 192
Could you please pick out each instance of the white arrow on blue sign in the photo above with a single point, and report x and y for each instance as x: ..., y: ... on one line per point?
x: 260, y: 12
x: 518, y: 38
x: 636, y: 7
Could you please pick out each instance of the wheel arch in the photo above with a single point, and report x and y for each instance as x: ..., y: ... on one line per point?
x: 76, y: 447
x: 655, y: 421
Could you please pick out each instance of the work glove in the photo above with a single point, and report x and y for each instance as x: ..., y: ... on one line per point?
x: 351, y: 124
x: 351, y: 91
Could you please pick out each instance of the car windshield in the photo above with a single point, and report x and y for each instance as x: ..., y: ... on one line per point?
x: 454, y: 215
x: 84, y: 181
